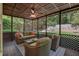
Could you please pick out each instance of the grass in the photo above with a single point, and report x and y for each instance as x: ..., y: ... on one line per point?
x: 9, y: 30
x: 70, y: 33
x: 49, y: 33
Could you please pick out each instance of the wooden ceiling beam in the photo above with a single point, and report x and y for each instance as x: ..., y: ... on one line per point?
x: 25, y: 9
x: 18, y: 16
x: 59, y: 11
x: 42, y: 7
x: 46, y: 10
x: 13, y: 8
x: 69, y: 5
x: 55, y: 6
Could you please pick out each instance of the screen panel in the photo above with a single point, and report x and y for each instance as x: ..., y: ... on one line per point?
x: 18, y: 24
x: 42, y: 26
x: 53, y: 24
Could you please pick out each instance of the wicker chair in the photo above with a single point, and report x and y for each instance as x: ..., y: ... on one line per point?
x: 55, y: 42
x: 18, y: 38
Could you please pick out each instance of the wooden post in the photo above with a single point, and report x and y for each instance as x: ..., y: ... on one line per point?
x: 46, y: 26
x: 60, y: 26
x: 37, y: 29
x: 32, y: 25
x: 11, y: 28
x: 24, y: 27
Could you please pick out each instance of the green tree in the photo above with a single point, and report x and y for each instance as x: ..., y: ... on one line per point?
x: 6, y: 22
x: 65, y: 18
x: 53, y: 20
x: 75, y: 18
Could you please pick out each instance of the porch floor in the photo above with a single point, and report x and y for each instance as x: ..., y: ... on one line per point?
x: 10, y: 49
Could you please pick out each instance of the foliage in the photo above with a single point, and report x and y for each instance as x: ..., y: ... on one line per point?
x: 66, y: 18
x: 6, y: 22
x: 53, y: 20
x: 75, y: 18
x: 17, y: 22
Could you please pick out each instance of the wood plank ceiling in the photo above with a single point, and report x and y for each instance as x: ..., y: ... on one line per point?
x: 24, y: 9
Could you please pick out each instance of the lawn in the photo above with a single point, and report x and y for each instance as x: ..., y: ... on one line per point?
x: 48, y: 33
x: 9, y: 30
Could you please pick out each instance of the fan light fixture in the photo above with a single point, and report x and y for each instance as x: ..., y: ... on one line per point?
x: 33, y: 13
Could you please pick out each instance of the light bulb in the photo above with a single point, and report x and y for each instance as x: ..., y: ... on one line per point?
x: 33, y: 15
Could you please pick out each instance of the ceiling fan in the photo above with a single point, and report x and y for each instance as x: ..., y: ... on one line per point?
x: 34, y: 12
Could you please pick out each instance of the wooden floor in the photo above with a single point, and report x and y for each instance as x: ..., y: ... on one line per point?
x: 70, y: 52
x: 59, y: 52
x: 10, y: 49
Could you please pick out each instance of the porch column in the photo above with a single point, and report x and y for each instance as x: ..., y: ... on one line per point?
x: 1, y: 31
x: 60, y: 26
x: 46, y: 25
x: 24, y: 27
x: 11, y: 28
x: 37, y: 29
x: 32, y: 25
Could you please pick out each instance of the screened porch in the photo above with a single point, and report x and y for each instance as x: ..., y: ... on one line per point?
x: 42, y: 20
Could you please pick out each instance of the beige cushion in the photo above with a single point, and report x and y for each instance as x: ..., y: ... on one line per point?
x: 41, y: 47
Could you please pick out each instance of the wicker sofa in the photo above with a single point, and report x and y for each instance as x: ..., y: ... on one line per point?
x: 39, y: 48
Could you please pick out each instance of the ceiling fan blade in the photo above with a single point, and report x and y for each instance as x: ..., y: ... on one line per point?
x: 32, y: 11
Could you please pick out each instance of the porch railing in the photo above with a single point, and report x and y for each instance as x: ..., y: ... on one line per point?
x: 70, y: 41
